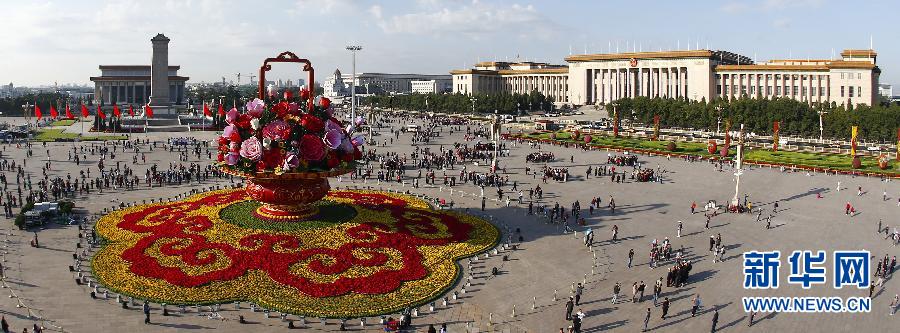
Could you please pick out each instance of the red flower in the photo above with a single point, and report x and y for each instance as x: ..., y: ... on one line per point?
x: 333, y: 161
x: 288, y: 95
x: 324, y: 102
x: 243, y: 121
x: 311, y: 148
x: 273, y: 157
x: 281, y: 109
x: 260, y: 166
x: 277, y: 130
x: 220, y: 157
x: 347, y: 157
x: 304, y: 94
x: 235, y: 136
x: 312, y: 123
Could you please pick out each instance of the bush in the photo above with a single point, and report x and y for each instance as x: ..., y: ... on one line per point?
x: 671, y: 146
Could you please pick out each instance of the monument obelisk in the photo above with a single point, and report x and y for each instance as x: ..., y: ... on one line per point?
x: 159, y: 75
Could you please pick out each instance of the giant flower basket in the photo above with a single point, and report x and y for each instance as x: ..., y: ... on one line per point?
x: 287, y: 242
x: 287, y: 149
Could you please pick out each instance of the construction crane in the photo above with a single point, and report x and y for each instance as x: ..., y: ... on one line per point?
x: 251, y: 76
x: 238, y: 78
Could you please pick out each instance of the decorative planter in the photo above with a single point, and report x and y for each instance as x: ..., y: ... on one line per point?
x: 287, y: 197
x: 711, y: 146
x: 883, y: 162
x: 671, y: 146
x: 723, y: 151
x: 857, y: 163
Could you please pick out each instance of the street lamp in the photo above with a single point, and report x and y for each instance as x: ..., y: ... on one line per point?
x: 718, y: 118
x: 821, y: 124
x: 473, y: 104
x: 738, y: 171
x: 352, y: 49
x: 519, y: 109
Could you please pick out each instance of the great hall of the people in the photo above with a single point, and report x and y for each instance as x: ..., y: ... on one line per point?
x: 694, y: 74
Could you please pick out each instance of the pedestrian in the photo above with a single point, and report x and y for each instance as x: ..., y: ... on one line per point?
x: 707, y: 222
x: 616, y: 289
x: 695, y: 305
x: 634, y: 291
x: 657, y: 289
x: 665, y: 307
x: 895, y: 303
x: 431, y: 328
x: 570, y: 304
x: 646, y: 320
x: 680, y: 226
x: 641, y: 288
x: 859, y: 191
x: 146, y: 312
x: 4, y: 325
x: 578, y: 290
x: 693, y: 207
x: 630, y: 257
x: 715, y: 320
x: 750, y: 321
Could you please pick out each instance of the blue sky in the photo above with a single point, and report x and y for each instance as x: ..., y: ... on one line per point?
x: 65, y: 41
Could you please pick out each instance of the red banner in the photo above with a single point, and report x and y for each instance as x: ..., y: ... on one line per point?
x: 656, y: 127
x: 775, y: 128
x: 615, y: 123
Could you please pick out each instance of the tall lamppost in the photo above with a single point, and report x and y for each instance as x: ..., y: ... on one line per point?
x: 718, y: 118
x: 352, y: 49
x: 821, y: 124
x: 738, y: 171
x: 495, y: 133
x: 519, y: 109
x: 473, y: 99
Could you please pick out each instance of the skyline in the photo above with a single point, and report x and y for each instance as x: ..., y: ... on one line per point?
x: 211, y: 39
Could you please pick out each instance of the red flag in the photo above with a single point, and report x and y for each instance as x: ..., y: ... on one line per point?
x: 149, y: 111
x: 68, y: 112
x: 53, y: 112
x: 206, y: 111
x: 100, y: 113
x: 84, y: 111
x: 116, y: 111
x: 37, y: 112
x: 131, y: 110
x: 221, y: 110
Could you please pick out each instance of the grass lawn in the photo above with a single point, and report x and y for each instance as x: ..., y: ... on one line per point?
x: 53, y: 134
x: 64, y: 122
x: 817, y: 160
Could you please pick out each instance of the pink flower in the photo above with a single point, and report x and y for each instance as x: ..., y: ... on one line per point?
x: 291, y: 162
x: 229, y: 130
x: 333, y: 138
x: 231, y: 116
x: 358, y: 140
x: 256, y: 107
x: 251, y: 148
x: 331, y: 125
x: 293, y: 108
x: 311, y: 148
x: 232, y: 158
x: 277, y: 130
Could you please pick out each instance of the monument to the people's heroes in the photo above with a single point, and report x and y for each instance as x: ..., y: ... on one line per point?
x: 159, y: 76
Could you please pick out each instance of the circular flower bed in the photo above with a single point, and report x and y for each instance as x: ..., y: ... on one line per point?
x: 364, y: 253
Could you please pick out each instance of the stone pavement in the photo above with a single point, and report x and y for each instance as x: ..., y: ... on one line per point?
x: 547, y: 260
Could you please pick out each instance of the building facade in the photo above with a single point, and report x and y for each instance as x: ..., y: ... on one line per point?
x: 338, y: 84
x: 514, y: 78
x: 131, y: 85
x: 431, y: 86
x: 693, y: 74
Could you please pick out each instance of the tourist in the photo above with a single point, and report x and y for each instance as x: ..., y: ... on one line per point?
x: 570, y: 304
x: 695, y: 305
x: 646, y: 320
x: 665, y: 307
x: 146, y: 312
x: 715, y: 321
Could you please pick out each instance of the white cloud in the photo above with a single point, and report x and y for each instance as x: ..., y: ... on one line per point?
x: 474, y: 19
x: 375, y: 10
x: 735, y: 7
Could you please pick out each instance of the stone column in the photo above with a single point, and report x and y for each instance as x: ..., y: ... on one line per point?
x: 159, y: 72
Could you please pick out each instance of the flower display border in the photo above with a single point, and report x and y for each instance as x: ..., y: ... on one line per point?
x: 435, y: 283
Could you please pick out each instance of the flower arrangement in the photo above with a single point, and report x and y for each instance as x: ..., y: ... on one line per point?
x: 288, y: 136
x: 395, y: 252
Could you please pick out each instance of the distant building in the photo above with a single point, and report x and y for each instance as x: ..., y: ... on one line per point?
x: 131, y: 84
x: 692, y: 74
x: 431, y: 86
x: 377, y: 83
x: 886, y: 90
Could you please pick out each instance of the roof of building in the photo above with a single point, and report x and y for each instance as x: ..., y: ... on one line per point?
x: 818, y: 67
x: 136, y: 78
x: 554, y: 70
x: 125, y: 67
x: 860, y: 53
x: 641, y: 55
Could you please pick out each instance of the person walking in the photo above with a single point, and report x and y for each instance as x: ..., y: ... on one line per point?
x: 641, y: 288
x: 146, y: 312
x: 646, y: 320
x: 630, y: 257
x: 570, y: 304
x: 695, y: 305
x: 750, y: 321
x: 616, y: 289
x: 665, y: 307
x: 715, y: 321
x: 895, y: 303
x: 578, y: 290
x: 680, y: 226
x: 657, y: 289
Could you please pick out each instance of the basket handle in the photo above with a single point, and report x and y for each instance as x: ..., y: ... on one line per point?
x: 287, y: 56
